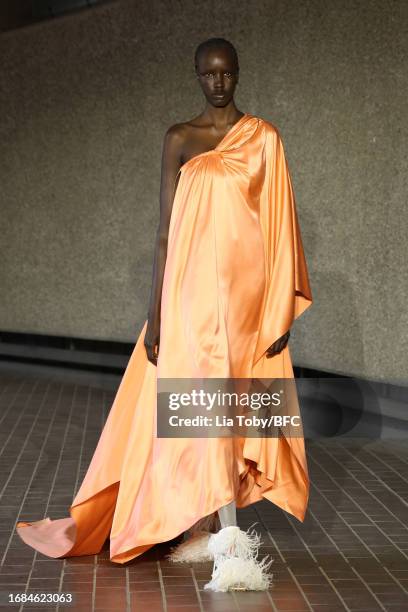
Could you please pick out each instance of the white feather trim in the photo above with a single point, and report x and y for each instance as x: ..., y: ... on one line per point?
x: 235, y: 542
x: 193, y: 550
x: 233, y: 574
x: 235, y: 561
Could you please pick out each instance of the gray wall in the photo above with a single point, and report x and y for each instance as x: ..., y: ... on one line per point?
x: 85, y: 101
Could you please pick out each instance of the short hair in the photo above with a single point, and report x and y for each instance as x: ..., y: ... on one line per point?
x: 215, y: 43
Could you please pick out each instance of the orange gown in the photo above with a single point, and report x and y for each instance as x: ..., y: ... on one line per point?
x: 235, y: 279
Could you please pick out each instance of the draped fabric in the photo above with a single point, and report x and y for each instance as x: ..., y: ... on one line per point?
x: 235, y: 280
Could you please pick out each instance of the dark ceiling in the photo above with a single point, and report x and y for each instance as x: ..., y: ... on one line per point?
x: 19, y: 13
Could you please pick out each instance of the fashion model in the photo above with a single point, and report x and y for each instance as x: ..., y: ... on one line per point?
x: 229, y: 279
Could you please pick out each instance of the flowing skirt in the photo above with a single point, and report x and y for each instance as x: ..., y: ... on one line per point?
x: 140, y: 490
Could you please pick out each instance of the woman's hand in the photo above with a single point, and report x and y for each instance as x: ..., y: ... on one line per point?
x: 152, y: 341
x: 278, y: 345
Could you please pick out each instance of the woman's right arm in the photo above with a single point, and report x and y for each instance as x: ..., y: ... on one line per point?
x: 170, y: 165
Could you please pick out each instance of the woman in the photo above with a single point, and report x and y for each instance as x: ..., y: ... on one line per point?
x: 229, y: 279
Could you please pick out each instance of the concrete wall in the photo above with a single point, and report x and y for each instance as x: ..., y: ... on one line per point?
x: 85, y: 101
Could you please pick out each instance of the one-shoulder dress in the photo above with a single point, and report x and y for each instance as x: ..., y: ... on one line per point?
x: 235, y: 279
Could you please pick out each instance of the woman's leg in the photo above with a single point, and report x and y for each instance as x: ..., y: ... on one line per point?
x: 235, y: 554
x: 228, y: 515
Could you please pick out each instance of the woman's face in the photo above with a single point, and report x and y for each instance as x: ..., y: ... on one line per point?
x: 218, y: 76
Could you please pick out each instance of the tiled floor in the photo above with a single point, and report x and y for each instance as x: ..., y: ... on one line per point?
x: 351, y: 552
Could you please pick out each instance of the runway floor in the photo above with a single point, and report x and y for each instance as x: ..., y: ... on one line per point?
x: 351, y: 552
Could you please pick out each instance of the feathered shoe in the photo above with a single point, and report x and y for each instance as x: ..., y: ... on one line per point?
x: 236, y: 567
x: 194, y: 548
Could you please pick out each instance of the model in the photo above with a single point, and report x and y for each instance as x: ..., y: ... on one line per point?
x: 229, y: 279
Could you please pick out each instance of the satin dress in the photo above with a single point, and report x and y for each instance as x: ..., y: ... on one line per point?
x: 235, y: 279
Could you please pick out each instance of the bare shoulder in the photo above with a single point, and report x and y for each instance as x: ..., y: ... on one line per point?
x: 183, y: 130
x: 175, y: 134
x: 179, y: 135
x: 174, y: 143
